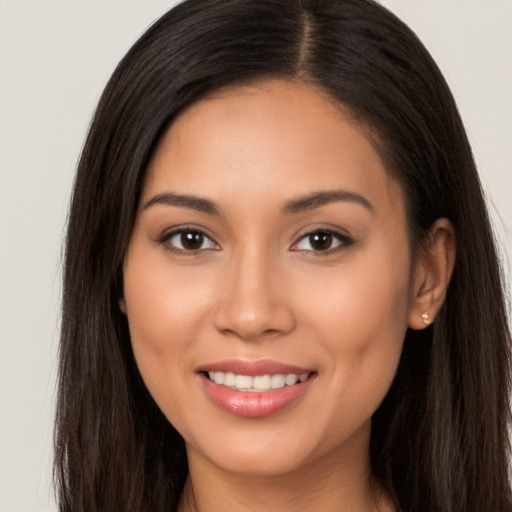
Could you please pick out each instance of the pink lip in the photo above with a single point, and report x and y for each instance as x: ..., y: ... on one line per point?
x: 248, y: 403
x: 253, y: 368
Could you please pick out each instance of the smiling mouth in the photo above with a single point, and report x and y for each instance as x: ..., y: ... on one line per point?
x: 257, y: 383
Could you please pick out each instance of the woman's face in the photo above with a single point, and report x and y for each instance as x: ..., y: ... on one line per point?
x: 270, y: 246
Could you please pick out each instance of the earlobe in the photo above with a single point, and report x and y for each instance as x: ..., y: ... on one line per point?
x: 426, y: 318
x: 434, y: 268
x: 122, y: 305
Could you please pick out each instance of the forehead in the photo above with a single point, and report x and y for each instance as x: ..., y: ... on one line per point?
x: 276, y: 139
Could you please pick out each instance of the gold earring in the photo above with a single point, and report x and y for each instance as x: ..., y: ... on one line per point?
x: 426, y: 319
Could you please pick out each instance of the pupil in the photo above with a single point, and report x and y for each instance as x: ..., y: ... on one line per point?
x: 320, y: 241
x: 191, y: 240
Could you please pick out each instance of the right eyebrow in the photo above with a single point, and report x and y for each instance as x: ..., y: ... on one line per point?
x: 184, y: 201
x: 318, y: 199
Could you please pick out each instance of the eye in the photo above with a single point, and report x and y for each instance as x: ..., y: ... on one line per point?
x: 322, y: 241
x: 188, y: 240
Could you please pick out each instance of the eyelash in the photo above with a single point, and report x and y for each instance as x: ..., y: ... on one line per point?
x: 343, y: 240
x: 167, y: 237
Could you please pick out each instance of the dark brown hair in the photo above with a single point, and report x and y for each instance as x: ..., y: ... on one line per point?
x: 439, y: 440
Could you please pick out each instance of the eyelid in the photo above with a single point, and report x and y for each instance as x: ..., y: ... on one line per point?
x: 169, y: 233
x: 345, y: 241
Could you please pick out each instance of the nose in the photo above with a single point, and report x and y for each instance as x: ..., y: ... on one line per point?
x: 253, y: 304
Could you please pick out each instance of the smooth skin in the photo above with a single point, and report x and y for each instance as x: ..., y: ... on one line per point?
x: 268, y: 228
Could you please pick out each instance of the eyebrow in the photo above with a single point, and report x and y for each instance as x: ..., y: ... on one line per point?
x: 317, y: 199
x: 184, y: 201
x: 304, y: 203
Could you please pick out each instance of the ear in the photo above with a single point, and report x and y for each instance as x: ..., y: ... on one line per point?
x: 122, y: 305
x: 433, y: 271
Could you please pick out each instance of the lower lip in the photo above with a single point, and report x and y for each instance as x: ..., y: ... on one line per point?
x: 254, y: 404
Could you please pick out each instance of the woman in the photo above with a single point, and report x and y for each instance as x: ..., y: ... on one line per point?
x: 281, y: 290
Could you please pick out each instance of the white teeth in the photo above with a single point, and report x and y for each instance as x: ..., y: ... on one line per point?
x: 291, y: 379
x: 277, y: 381
x: 242, y: 381
x: 257, y: 383
x: 262, y: 382
x: 229, y: 379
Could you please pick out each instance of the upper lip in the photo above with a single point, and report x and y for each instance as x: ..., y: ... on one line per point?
x: 253, y: 368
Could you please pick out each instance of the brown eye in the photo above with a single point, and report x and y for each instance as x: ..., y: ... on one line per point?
x: 191, y: 240
x: 188, y: 240
x: 322, y: 241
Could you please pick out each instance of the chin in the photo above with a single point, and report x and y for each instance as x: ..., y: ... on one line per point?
x: 268, y: 464
x: 248, y: 456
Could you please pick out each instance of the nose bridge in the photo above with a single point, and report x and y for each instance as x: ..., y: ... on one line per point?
x: 253, y: 302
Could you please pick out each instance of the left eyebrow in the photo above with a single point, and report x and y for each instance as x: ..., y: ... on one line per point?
x: 184, y: 201
x: 323, y: 198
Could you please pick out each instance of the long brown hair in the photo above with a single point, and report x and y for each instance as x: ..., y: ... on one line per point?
x: 439, y: 440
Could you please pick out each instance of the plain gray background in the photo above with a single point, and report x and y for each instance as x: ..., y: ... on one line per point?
x: 55, y: 57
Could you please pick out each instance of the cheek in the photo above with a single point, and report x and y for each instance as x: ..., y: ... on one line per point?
x: 166, y: 312
x: 161, y: 302
x: 361, y: 299
x: 360, y: 320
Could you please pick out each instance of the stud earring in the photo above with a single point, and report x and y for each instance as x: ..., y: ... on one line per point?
x: 426, y: 319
